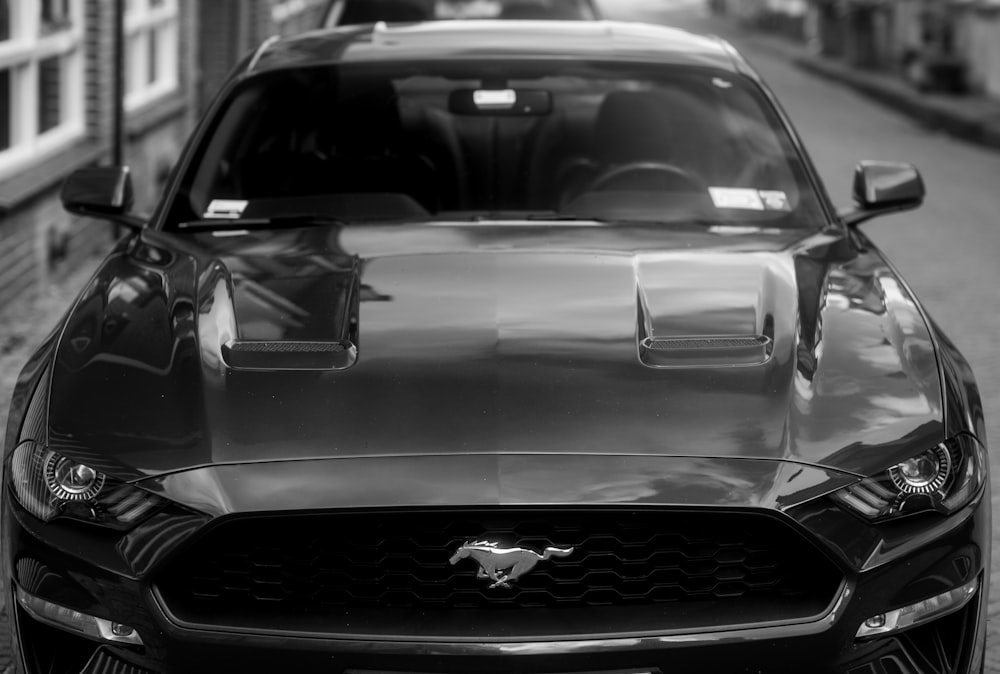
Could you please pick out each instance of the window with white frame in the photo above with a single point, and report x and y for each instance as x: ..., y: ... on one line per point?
x: 41, y: 78
x: 151, y: 57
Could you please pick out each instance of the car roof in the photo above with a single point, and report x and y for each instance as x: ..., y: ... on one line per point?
x: 434, y: 40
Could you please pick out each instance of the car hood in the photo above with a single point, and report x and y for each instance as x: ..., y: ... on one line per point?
x: 495, y: 340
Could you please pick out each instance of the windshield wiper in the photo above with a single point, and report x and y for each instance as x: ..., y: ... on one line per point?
x: 560, y: 217
x: 567, y: 217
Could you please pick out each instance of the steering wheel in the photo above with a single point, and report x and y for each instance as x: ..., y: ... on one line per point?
x: 643, y: 171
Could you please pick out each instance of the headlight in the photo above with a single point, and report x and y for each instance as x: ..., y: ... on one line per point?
x: 49, y: 485
x: 942, y: 479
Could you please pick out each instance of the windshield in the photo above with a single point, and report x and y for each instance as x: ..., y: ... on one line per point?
x: 498, y: 140
x: 370, y: 11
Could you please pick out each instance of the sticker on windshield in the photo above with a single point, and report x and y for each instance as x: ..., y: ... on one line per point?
x: 775, y: 200
x: 749, y: 200
x: 229, y: 209
x: 737, y: 198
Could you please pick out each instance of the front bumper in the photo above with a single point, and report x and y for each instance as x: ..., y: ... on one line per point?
x: 920, y: 560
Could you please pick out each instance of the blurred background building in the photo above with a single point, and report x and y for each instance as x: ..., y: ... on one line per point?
x: 56, y: 107
x: 938, y: 45
x: 57, y: 74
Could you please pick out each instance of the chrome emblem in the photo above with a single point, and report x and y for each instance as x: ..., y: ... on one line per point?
x: 503, y: 565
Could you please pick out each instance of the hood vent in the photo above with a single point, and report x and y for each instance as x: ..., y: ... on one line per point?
x: 289, y: 355
x: 721, y: 351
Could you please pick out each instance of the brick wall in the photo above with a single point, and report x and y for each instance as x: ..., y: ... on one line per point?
x: 99, y: 52
x: 247, y: 24
x: 218, y: 49
x: 40, y: 243
x: 20, y: 265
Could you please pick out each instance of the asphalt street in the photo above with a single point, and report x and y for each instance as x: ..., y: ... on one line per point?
x: 948, y: 251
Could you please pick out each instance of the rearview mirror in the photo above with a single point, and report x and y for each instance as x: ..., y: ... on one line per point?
x: 500, y: 102
x: 884, y: 187
x: 101, y: 192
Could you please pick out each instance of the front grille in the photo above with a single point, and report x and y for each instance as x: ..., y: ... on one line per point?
x: 733, y: 564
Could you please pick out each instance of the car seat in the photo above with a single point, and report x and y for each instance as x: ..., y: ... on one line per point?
x: 634, y: 147
x: 368, y: 150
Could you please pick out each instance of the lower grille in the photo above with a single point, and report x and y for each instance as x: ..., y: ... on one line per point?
x: 738, y: 567
x: 105, y: 663
x: 937, y: 646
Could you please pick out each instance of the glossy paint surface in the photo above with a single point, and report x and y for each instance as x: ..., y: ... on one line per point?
x: 483, y: 480
x: 490, y: 339
x: 606, y: 40
x: 880, y: 184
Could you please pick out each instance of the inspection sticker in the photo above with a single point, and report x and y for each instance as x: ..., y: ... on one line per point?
x: 775, y: 200
x: 229, y: 209
x: 736, y: 197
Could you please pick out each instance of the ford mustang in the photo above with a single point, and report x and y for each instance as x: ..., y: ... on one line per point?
x: 477, y: 346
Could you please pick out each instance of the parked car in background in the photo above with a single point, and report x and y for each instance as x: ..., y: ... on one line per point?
x: 349, y: 12
x: 482, y: 347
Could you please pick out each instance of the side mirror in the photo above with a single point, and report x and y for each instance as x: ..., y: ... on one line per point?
x: 103, y: 192
x: 884, y: 187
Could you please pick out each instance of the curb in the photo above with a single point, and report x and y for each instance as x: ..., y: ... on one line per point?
x: 971, y: 118
x: 929, y: 112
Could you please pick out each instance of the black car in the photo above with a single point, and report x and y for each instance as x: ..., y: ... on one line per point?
x: 481, y: 347
x: 352, y: 12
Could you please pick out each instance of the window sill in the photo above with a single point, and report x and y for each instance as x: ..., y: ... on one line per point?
x: 157, y: 112
x: 36, y: 179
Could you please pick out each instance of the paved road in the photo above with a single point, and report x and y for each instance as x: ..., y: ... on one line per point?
x: 949, y: 250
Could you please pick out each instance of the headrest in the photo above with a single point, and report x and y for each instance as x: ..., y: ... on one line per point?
x: 632, y: 126
x: 367, y: 116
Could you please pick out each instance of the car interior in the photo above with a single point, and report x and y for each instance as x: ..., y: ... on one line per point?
x: 594, y: 146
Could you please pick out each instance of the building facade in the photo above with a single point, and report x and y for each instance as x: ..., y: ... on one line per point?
x: 56, y: 108
x: 248, y: 22
x: 949, y: 45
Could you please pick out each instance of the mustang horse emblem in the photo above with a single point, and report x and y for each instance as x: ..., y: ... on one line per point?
x: 503, y: 565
